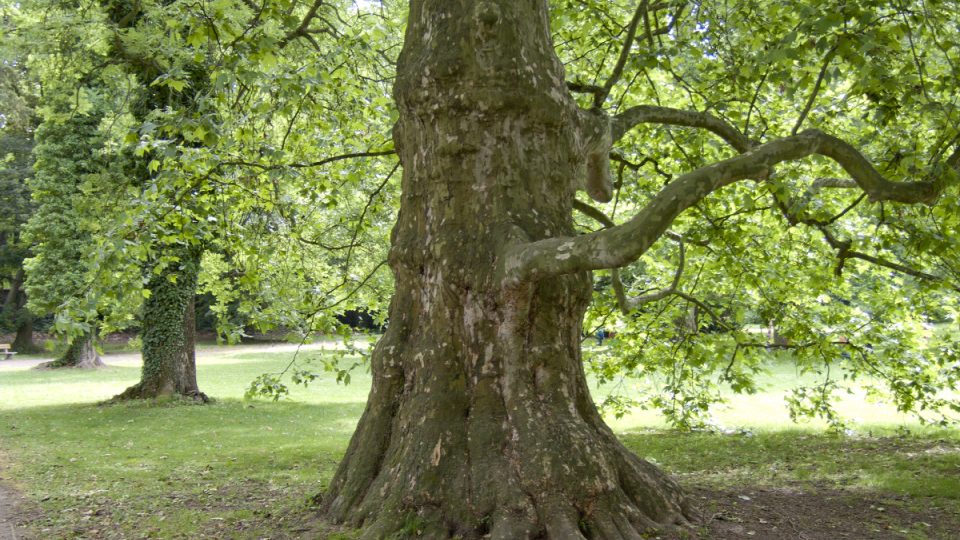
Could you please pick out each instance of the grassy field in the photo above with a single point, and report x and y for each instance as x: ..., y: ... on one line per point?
x: 249, y: 469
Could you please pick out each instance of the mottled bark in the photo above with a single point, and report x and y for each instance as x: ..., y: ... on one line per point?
x: 168, y: 333
x: 479, y: 420
x: 81, y: 353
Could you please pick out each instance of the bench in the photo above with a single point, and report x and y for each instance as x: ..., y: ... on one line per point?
x: 5, y: 351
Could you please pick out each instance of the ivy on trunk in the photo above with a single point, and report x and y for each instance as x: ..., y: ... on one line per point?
x: 169, y: 330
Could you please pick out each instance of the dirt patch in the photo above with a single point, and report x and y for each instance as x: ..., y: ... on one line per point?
x: 15, y: 511
x: 820, y: 513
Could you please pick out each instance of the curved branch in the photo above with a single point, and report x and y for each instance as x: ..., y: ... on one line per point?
x: 616, y: 246
x: 629, y: 304
x: 651, y: 114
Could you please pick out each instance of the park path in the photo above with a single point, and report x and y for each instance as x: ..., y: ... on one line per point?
x: 203, y: 353
x: 8, y: 500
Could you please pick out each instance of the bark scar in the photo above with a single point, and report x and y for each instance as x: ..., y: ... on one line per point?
x: 437, y: 451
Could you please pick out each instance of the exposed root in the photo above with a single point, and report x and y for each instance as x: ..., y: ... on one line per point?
x: 63, y: 363
x: 150, y: 391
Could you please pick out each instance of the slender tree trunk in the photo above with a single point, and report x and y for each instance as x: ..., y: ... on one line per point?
x: 13, y: 294
x: 169, y: 358
x: 23, y: 342
x: 81, y: 353
x: 479, y: 421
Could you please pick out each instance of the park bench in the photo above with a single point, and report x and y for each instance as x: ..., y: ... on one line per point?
x: 5, y: 351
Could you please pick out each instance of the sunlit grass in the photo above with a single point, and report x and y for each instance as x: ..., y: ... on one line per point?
x: 767, y: 408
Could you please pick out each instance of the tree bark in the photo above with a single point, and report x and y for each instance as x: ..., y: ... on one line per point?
x: 13, y: 294
x: 23, y: 342
x: 81, y: 353
x: 479, y: 421
x: 169, y: 329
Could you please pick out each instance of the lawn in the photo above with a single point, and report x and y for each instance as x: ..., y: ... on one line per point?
x: 250, y: 469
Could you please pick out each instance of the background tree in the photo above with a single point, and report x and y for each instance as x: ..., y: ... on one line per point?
x: 15, y: 199
x: 217, y: 121
x: 17, y: 124
x: 67, y: 158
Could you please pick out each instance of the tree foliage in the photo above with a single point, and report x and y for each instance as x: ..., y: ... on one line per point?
x: 852, y: 285
x: 262, y: 132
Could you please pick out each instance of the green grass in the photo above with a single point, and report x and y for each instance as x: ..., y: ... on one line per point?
x: 172, y: 470
x: 246, y: 469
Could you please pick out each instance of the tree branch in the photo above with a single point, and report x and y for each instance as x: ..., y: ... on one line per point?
x: 616, y: 246
x: 816, y: 89
x: 302, y: 29
x: 600, y: 96
x: 843, y: 247
x: 325, y: 161
x: 582, y: 88
x: 629, y: 304
x: 650, y: 114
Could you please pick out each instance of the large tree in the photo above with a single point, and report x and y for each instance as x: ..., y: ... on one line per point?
x: 479, y: 421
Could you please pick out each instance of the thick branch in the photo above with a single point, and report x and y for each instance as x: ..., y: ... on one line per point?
x: 650, y: 114
x: 833, y: 183
x: 614, y: 247
x: 581, y: 88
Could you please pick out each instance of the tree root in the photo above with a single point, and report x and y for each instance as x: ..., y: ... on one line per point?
x: 141, y: 391
x: 63, y: 363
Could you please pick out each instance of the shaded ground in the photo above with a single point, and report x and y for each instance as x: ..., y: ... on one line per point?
x: 808, y: 513
x: 820, y: 513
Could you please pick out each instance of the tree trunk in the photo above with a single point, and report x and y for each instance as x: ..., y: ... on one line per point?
x: 13, y: 294
x: 23, y: 342
x: 169, y: 357
x: 81, y: 353
x: 479, y: 421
